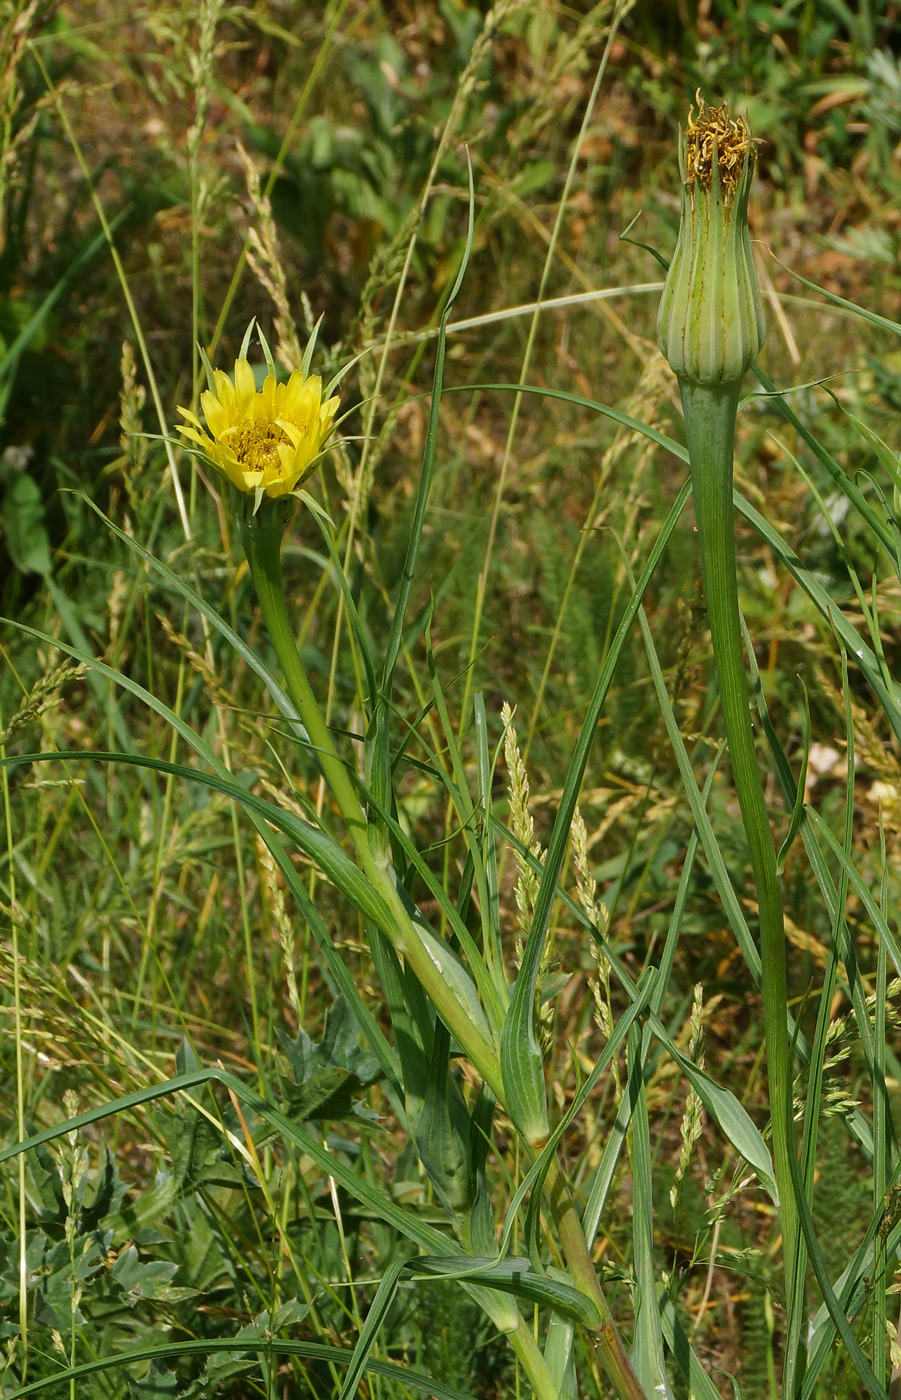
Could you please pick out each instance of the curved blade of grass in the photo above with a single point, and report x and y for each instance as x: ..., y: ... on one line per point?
x: 315, y: 844
x: 578, y: 401
x: 853, y: 1290
x: 869, y: 612
x: 700, y: 1386
x: 490, y: 980
x: 818, y: 595
x: 857, y: 1125
x: 38, y: 317
x: 815, y: 591
x: 794, y: 825
x: 382, y: 1206
x: 890, y: 700
x: 872, y: 316
x: 603, y: 1175
x: 276, y: 1346
x: 289, y: 825
x: 191, y: 596
x: 848, y: 487
x: 321, y: 848
x: 534, y: 1179
x: 855, y: 1354
x: 722, y: 1105
x: 860, y: 888
x: 392, y: 650
x: 515, y: 1276
x: 357, y: 628
x: 378, y: 738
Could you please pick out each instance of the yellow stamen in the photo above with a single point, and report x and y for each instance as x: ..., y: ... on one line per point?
x: 256, y: 445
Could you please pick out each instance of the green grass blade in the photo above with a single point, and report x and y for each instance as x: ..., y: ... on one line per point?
x: 515, y: 1276
x: 836, y: 1312
x: 191, y: 596
x: 382, y: 1206
x: 700, y: 1386
x: 889, y: 696
x: 392, y: 650
x: 34, y: 323
x: 848, y: 487
x: 578, y: 401
x: 647, y: 1343
x: 378, y: 1308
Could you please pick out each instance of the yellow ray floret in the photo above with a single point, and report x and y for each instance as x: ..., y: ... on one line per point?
x: 267, y: 440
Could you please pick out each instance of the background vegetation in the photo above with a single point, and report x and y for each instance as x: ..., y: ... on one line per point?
x: 290, y: 161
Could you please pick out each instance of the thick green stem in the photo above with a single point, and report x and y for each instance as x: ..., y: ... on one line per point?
x: 262, y: 540
x: 532, y: 1362
x: 710, y: 414
x: 607, y: 1341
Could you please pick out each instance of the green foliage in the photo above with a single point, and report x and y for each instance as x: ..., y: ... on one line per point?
x: 180, y: 890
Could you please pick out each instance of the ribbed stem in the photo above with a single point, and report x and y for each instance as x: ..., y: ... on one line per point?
x: 710, y: 428
x: 262, y: 540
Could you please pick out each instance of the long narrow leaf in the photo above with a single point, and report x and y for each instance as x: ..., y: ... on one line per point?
x: 378, y: 1309
x: 276, y: 1346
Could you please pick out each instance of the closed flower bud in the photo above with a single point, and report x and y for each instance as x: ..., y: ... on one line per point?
x: 710, y: 324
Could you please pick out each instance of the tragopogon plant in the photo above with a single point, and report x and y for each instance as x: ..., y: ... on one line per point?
x: 710, y: 327
x: 266, y: 442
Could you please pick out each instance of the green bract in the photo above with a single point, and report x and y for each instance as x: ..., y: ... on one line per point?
x: 710, y: 324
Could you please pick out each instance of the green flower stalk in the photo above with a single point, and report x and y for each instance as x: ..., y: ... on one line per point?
x: 710, y: 327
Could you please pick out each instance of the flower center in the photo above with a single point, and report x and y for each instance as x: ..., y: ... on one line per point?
x: 256, y: 445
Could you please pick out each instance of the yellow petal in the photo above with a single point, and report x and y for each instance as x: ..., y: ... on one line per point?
x: 265, y: 401
x: 245, y: 384
x: 291, y: 429
x: 225, y: 390
x: 302, y: 399
x: 288, y: 456
x: 249, y: 480
x: 206, y: 443
x: 215, y: 413
x: 191, y: 417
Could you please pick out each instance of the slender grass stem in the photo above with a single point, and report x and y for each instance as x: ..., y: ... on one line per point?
x: 710, y: 414
x: 18, y: 1031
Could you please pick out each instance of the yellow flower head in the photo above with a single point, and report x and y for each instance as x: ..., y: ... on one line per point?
x: 267, y: 440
